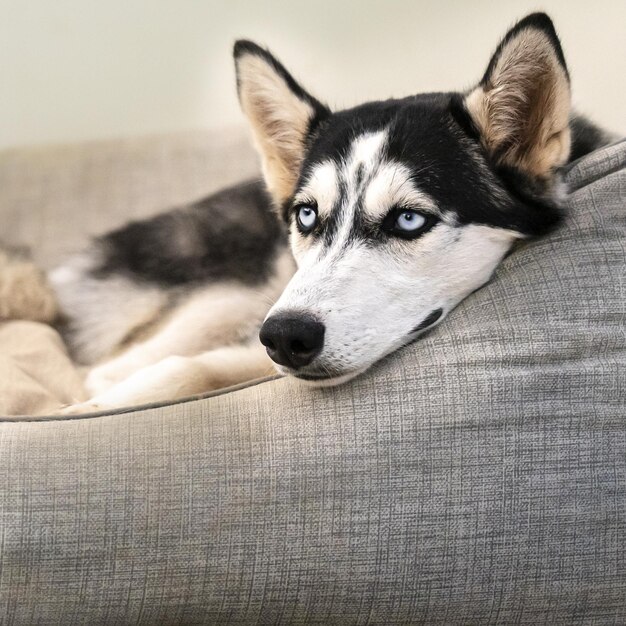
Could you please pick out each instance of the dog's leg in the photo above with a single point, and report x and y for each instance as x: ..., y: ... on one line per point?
x: 214, y: 317
x: 177, y: 377
x: 24, y: 291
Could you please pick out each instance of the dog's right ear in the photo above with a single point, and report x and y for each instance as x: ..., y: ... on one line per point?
x: 281, y: 113
x: 521, y: 107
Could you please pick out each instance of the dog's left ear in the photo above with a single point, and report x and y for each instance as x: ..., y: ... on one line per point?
x: 521, y: 107
x: 281, y: 113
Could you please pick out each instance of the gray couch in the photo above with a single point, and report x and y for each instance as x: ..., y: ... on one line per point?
x: 475, y: 477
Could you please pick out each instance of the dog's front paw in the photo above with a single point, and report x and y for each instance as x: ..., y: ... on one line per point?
x: 99, y: 380
x: 82, y: 408
x: 103, y: 377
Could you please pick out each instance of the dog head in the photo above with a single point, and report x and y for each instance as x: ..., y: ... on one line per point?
x: 398, y: 210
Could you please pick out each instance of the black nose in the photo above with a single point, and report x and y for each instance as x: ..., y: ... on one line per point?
x: 292, y: 339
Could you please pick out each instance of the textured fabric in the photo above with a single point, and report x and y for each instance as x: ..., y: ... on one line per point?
x: 36, y: 375
x: 476, y: 477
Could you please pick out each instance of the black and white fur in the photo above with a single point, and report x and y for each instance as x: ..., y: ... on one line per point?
x: 172, y: 306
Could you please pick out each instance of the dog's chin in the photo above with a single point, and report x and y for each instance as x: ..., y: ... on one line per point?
x: 313, y: 379
x: 321, y: 376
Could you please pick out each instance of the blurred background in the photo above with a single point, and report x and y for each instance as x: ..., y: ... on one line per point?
x: 74, y: 70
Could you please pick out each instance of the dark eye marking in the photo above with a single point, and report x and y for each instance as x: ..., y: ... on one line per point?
x: 407, y: 223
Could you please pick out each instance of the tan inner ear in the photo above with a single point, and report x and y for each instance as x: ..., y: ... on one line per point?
x: 523, y: 111
x: 279, y: 121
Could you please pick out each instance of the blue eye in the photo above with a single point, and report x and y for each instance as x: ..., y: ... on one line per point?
x: 410, y: 221
x: 407, y: 223
x: 307, y: 217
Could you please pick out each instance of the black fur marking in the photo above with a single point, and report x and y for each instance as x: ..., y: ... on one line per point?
x: 432, y: 136
x: 331, y: 223
x: 231, y: 235
x: 540, y: 212
x: 436, y: 137
x: 428, y: 321
x: 586, y: 137
x: 359, y: 223
x: 359, y: 175
x: 462, y: 117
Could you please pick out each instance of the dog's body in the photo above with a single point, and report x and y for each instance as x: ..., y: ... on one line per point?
x: 177, y: 299
x: 394, y: 212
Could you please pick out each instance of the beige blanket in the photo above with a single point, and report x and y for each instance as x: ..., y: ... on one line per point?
x: 36, y: 375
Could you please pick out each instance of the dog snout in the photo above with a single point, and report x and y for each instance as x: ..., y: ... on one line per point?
x: 292, y: 339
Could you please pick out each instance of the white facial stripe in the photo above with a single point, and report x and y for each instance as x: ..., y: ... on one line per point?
x: 392, y: 186
x: 366, y: 155
x: 322, y: 186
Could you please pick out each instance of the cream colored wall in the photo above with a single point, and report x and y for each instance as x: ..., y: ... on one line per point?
x: 85, y: 69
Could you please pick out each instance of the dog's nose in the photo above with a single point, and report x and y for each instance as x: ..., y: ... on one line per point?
x: 292, y: 339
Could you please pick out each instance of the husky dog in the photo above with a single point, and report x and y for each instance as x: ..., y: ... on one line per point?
x: 393, y: 211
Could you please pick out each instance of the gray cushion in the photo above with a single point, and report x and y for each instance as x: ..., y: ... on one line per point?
x: 477, y: 476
